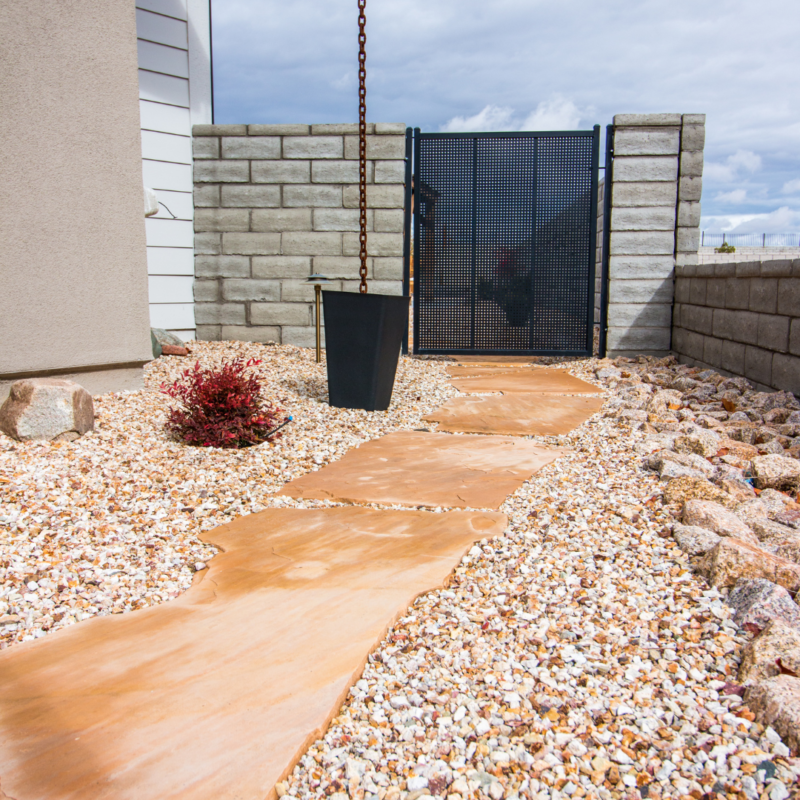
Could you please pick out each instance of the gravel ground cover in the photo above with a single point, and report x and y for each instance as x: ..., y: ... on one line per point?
x: 110, y: 522
x: 579, y: 655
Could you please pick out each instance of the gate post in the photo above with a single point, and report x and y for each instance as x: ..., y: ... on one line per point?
x: 608, y: 183
x: 654, y: 224
x: 407, y: 209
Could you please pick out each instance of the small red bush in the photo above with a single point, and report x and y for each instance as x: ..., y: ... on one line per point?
x: 220, y: 407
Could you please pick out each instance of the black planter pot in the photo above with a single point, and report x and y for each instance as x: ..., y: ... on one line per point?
x: 363, y: 334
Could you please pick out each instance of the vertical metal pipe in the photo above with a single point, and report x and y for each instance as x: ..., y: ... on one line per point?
x: 416, y: 224
x: 318, y: 293
x: 407, y: 206
x: 609, y: 184
x: 593, y: 237
x: 211, y: 56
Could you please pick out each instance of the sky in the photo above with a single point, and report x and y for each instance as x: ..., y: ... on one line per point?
x: 538, y: 65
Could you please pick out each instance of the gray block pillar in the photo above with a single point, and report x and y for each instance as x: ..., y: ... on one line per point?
x: 655, y: 216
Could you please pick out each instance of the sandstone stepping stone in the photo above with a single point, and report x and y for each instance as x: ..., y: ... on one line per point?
x: 536, y: 380
x: 493, y: 359
x: 217, y: 694
x: 515, y: 414
x: 427, y: 469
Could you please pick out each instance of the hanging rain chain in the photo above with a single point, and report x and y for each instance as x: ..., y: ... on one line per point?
x: 362, y: 139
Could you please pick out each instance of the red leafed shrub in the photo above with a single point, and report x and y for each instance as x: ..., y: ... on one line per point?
x: 220, y: 407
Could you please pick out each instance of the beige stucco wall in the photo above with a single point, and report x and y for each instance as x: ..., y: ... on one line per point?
x: 72, y: 260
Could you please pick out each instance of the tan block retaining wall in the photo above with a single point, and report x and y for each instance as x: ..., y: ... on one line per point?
x: 741, y: 319
x: 276, y: 203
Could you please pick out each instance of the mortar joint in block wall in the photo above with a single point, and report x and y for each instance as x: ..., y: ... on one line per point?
x: 275, y: 203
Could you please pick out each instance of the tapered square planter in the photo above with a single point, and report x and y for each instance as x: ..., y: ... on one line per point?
x: 363, y: 335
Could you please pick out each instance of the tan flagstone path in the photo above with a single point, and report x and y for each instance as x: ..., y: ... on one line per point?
x: 492, y: 359
x: 427, y: 469
x: 216, y: 694
x: 535, y: 380
x: 515, y: 414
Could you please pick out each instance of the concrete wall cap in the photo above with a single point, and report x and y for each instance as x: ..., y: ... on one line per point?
x: 219, y: 130
x: 390, y: 128
x: 621, y: 120
x: 278, y: 130
x: 694, y: 119
x: 339, y: 128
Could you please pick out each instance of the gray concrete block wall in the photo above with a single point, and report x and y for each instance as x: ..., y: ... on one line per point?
x: 276, y: 203
x: 655, y: 217
x: 741, y: 319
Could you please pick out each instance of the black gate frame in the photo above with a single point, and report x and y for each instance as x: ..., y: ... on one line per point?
x: 412, y: 223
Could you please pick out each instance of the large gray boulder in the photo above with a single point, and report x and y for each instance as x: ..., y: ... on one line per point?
x: 715, y: 517
x: 167, y: 338
x: 776, y: 472
x: 756, y: 602
x: 694, y: 540
x: 47, y: 408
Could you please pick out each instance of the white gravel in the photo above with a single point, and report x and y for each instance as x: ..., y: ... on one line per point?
x: 110, y: 522
x: 577, y: 656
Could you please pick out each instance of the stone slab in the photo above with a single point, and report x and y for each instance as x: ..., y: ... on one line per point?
x: 215, y: 695
x: 524, y: 381
x: 430, y: 470
x: 493, y: 359
x: 515, y: 414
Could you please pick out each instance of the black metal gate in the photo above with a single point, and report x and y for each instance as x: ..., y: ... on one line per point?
x: 504, y: 232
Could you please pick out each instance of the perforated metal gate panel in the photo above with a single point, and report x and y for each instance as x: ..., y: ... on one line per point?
x: 504, y: 242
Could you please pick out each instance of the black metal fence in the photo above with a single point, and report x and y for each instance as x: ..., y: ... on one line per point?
x: 750, y: 239
x: 504, y: 242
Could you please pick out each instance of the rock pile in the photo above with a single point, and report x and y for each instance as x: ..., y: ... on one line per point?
x: 729, y: 457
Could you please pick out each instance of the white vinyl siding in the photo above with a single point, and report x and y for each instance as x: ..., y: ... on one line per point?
x: 172, y: 316
x: 170, y: 8
x: 169, y: 104
x: 167, y: 119
x: 161, y: 29
x: 163, y: 88
x: 158, y: 58
x: 166, y: 147
x: 167, y: 288
x: 178, y: 203
x: 169, y: 233
x: 165, y: 175
x: 170, y: 261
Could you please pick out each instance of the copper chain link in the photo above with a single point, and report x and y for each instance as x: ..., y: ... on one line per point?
x: 362, y: 139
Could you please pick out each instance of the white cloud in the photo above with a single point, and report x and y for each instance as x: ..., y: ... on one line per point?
x: 783, y: 220
x: 555, y: 114
x: 792, y: 187
x: 430, y: 62
x: 491, y: 118
x: 737, y: 196
x: 733, y: 166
